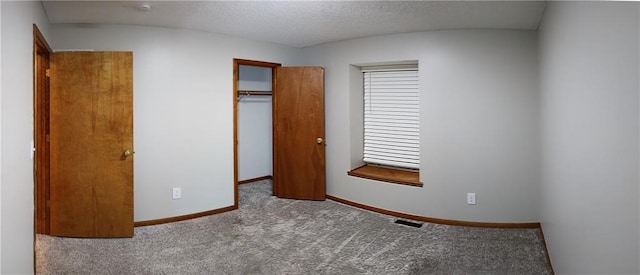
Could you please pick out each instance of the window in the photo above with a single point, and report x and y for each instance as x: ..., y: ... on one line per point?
x: 392, y: 118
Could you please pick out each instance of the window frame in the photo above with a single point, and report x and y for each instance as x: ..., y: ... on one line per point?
x: 384, y: 173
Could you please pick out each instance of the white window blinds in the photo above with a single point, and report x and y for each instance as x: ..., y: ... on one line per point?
x: 392, y: 118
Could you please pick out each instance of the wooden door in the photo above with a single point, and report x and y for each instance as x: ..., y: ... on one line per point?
x: 91, y: 143
x: 41, y: 51
x: 298, y: 141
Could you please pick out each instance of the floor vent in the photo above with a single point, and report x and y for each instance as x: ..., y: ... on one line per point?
x: 408, y: 223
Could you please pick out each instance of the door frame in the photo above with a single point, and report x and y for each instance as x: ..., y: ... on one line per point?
x: 236, y: 68
x: 41, y: 125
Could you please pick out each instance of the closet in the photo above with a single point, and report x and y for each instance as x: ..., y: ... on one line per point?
x: 279, y: 129
x: 254, y: 124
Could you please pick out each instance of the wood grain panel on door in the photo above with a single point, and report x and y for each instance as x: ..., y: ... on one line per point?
x: 299, y: 149
x: 91, y: 129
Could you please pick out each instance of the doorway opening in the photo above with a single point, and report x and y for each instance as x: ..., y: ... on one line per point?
x: 77, y: 194
x: 253, y: 86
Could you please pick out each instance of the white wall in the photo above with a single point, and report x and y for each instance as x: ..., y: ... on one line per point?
x: 254, y: 124
x: 17, y: 132
x: 0, y: 143
x: 479, y: 117
x: 589, y: 66
x: 183, y: 112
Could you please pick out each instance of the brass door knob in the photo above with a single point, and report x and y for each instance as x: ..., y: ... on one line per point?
x: 126, y: 154
x: 319, y: 140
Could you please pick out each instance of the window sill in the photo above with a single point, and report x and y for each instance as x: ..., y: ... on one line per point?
x: 387, y: 174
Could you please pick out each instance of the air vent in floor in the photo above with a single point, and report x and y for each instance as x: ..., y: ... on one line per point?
x: 408, y: 223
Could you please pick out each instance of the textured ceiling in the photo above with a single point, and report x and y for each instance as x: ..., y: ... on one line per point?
x: 304, y: 23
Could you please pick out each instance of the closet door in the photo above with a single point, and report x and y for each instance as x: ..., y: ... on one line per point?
x: 299, y: 147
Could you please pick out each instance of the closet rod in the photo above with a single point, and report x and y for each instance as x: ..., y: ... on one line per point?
x: 250, y: 92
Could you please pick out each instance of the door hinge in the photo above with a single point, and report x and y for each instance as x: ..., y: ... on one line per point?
x: 47, y: 73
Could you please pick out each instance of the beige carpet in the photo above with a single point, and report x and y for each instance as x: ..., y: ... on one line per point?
x: 268, y: 235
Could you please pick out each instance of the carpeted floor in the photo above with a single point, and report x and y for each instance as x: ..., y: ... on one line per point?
x: 268, y: 235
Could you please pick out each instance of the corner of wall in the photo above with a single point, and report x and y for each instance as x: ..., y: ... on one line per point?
x: 590, y: 124
x: 0, y: 140
x: 16, y: 223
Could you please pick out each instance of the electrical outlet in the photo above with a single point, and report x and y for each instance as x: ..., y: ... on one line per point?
x: 177, y: 193
x: 471, y: 198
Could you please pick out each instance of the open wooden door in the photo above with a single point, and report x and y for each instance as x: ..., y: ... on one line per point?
x: 91, y: 143
x: 298, y: 139
x: 41, y: 53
